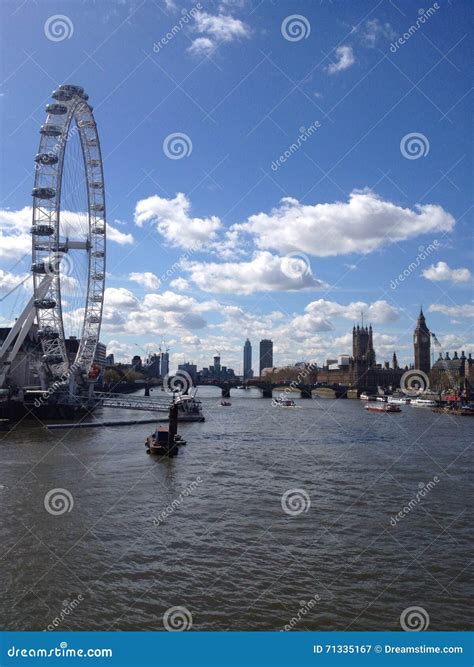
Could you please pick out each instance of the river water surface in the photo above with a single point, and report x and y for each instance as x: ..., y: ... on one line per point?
x: 267, y: 515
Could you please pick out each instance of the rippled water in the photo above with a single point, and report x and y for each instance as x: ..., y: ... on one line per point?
x: 226, y: 550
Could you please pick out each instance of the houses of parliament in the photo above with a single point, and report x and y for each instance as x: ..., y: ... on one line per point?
x: 362, y: 371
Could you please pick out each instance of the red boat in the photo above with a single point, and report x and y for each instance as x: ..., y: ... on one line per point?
x: 386, y: 407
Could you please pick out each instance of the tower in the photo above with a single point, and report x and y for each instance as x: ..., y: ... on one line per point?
x: 266, y: 354
x: 362, y: 346
x: 422, y: 344
x: 247, y: 359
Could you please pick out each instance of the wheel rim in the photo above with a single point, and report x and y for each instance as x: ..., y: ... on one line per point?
x: 57, y: 235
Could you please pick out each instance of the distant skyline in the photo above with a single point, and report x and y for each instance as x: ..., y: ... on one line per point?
x: 267, y: 175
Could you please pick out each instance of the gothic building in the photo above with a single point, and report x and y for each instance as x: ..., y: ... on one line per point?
x: 422, y: 344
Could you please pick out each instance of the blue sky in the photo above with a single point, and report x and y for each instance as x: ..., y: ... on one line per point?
x: 224, y: 239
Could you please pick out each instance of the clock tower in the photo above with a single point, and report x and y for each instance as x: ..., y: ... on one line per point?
x: 422, y: 344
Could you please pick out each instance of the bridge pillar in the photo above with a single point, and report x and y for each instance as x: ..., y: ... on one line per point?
x: 147, y: 390
x: 267, y: 392
x: 305, y: 391
x: 225, y: 391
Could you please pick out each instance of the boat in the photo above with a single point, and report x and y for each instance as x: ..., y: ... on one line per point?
x: 367, y: 397
x: 399, y: 400
x: 189, y: 408
x: 224, y: 404
x: 424, y: 403
x: 383, y: 408
x: 285, y: 403
x: 463, y: 410
x: 157, y: 442
x: 381, y: 399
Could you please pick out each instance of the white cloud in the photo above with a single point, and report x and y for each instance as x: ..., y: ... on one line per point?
x: 215, y: 29
x: 173, y: 221
x: 117, y: 236
x: 15, y: 237
x: 345, y: 60
x: 465, y: 310
x: 363, y: 224
x: 374, y: 29
x: 317, y: 314
x: 442, y: 272
x: 119, y: 297
x: 201, y: 46
x: 263, y: 273
x: 179, y: 284
x: 9, y: 281
x: 147, y: 279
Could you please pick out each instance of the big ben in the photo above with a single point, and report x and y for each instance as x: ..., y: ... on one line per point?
x: 422, y: 344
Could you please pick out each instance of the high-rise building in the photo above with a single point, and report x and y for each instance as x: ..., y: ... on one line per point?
x: 422, y: 344
x: 165, y: 363
x: 266, y: 354
x: 100, y: 356
x: 217, y: 366
x: 247, y: 359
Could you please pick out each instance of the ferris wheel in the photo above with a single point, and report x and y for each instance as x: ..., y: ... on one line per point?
x: 68, y: 233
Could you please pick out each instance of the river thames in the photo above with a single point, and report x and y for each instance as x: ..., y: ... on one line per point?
x: 324, y: 513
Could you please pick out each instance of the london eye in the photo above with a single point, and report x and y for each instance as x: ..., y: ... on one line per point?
x: 68, y: 232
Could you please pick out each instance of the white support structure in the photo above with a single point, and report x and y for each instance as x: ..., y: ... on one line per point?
x: 20, y: 330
